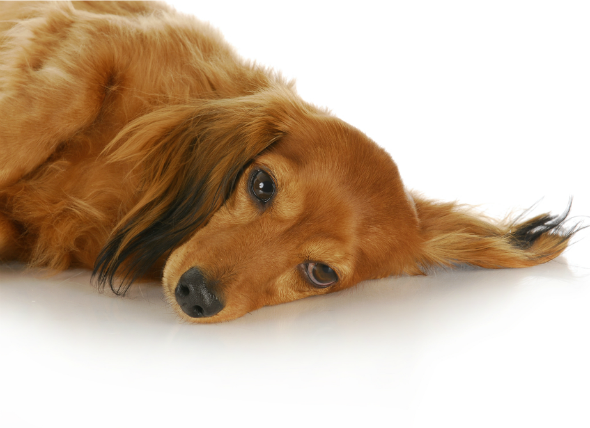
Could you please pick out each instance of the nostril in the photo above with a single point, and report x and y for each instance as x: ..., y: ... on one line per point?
x: 183, y: 290
x: 198, y: 311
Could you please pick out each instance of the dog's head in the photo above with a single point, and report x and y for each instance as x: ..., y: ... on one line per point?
x: 318, y: 211
x: 265, y: 199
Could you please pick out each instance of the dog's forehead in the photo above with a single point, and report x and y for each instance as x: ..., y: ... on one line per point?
x: 327, y: 149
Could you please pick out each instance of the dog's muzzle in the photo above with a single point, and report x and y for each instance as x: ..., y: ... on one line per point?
x: 195, y: 296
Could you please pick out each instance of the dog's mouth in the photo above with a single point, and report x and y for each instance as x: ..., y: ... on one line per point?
x: 196, y: 296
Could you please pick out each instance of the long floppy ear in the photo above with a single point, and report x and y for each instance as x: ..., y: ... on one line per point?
x: 452, y: 235
x: 188, y: 158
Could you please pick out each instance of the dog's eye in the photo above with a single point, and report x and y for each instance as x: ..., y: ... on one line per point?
x: 262, y: 187
x: 320, y: 275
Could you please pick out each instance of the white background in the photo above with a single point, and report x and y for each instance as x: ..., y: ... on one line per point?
x: 487, y: 103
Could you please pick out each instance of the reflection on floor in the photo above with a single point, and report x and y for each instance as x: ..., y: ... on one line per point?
x: 391, y: 343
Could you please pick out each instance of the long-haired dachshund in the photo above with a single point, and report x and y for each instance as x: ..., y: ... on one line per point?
x: 134, y: 141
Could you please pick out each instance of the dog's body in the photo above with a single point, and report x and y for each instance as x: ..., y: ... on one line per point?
x: 133, y: 140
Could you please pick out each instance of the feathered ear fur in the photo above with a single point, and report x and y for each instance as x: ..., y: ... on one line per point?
x: 453, y: 236
x: 188, y: 158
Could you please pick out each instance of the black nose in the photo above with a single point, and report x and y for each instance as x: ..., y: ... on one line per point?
x: 195, y: 295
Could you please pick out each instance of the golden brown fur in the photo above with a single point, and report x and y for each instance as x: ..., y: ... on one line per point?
x: 128, y: 138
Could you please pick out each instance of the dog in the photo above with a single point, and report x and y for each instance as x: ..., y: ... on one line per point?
x: 135, y: 142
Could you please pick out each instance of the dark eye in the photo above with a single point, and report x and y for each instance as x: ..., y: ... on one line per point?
x: 262, y: 186
x: 320, y: 275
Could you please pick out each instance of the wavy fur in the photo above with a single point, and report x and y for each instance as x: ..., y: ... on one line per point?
x: 191, y: 158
